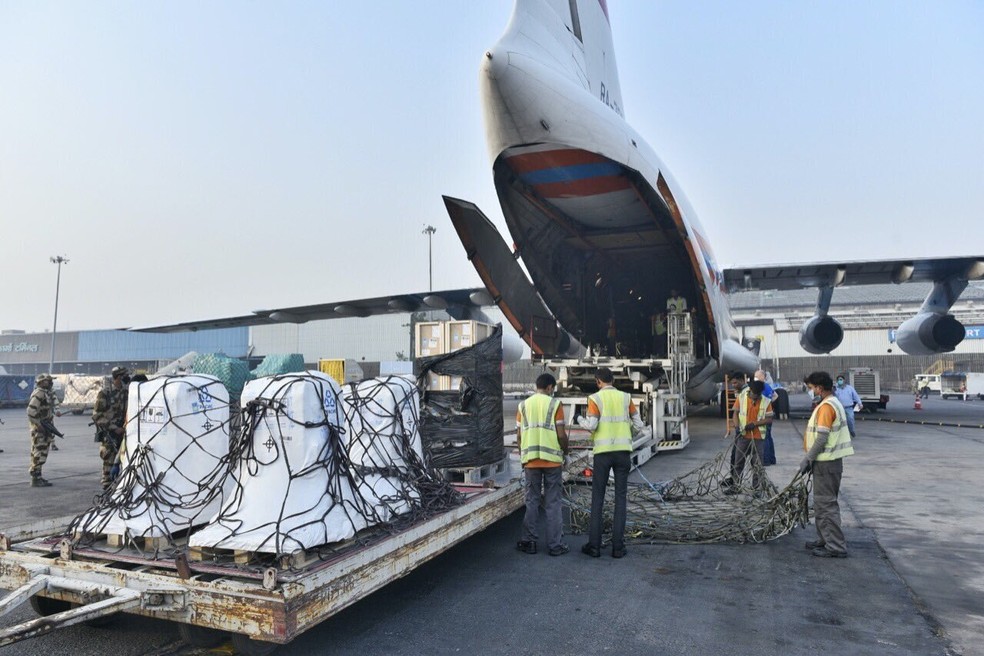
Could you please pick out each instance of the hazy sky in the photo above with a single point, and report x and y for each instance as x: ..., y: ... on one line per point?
x: 204, y: 159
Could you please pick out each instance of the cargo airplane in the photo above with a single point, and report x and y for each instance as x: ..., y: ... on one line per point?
x: 603, y: 229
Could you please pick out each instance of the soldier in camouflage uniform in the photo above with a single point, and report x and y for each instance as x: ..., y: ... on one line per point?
x: 109, y: 416
x: 40, y: 410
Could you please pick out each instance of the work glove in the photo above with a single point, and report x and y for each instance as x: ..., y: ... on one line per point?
x: 805, y: 466
x: 749, y: 427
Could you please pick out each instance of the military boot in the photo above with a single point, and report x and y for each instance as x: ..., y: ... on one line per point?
x: 37, y: 481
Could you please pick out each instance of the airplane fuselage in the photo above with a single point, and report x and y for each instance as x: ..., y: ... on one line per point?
x: 601, y: 225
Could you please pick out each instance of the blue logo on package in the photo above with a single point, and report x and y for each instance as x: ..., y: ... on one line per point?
x: 205, y: 399
x: 331, y: 405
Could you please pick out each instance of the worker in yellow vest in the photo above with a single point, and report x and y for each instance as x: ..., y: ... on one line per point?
x: 612, y: 418
x: 827, y: 441
x: 750, y: 412
x: 542, y: 442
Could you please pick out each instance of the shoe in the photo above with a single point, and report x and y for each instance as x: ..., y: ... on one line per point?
x: 824, y: 552
x: 814, y: 544
x: 588, y: 550
x: 559, y: 551
x: 526, y: 546
x: 619, y: 552
x: 54, y: 447
x: 39, y: 482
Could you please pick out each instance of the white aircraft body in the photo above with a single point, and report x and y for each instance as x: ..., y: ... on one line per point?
x: 603, y: 228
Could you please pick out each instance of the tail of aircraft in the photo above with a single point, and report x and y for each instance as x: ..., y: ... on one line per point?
x: 577, y: 36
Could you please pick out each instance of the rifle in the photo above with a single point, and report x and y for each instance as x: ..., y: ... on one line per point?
x: 49, y: 427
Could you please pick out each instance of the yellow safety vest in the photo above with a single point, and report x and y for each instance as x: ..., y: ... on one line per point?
x: 744, y: 401
x: 539, y: 429
x: 614, y: 432
x: 838, y: 442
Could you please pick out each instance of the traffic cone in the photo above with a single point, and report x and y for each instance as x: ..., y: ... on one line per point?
x: 918, y: 404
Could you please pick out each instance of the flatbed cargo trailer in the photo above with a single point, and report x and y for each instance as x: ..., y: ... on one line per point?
x: 260, y: 607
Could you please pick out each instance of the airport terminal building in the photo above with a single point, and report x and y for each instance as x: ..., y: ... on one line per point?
x: 869, y: 315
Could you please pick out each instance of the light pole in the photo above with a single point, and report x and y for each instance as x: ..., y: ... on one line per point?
x: 59, y: 260
x: 429, y: 231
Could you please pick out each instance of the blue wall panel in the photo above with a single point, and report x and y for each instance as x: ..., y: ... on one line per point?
x: 120, y: 345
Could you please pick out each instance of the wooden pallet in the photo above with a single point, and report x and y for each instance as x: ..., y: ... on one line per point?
x: 474, y: 475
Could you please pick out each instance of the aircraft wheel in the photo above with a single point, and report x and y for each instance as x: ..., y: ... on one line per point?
x: 200, y: 636
x: 249, y: 647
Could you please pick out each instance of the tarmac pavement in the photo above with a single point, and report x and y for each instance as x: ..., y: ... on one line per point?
x: 913, y: 584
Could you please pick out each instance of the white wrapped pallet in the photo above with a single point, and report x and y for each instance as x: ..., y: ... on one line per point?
x: 173, y: 463
x: 290, y: 492
x: 382, y: 441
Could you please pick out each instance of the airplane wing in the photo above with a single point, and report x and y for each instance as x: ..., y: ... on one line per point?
x: 835, y: 274
x: 459, y: 303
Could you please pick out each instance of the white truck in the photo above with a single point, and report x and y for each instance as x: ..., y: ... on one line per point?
x: 962, y: 385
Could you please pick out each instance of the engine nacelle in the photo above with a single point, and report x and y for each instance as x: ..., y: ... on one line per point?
x: 929, y: 333
x: 821, y: 335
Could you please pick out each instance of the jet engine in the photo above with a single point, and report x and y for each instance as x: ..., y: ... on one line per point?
x: 821, y: 335
x: 928, y: 333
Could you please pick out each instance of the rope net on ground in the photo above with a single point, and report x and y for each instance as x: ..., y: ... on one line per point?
x: 711, y: 503
x: 313, y: 466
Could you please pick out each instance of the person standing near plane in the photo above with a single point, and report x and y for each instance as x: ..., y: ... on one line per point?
x: 827, y: 442
x: 751, y: 411
x: 611, y: 418
x: 848, y: 398
x: 768, y: 446
x: 40, y: 413
x: 676, y: 303
x: 109, y: 416
x: 657, y: 323
x: 542, y: 442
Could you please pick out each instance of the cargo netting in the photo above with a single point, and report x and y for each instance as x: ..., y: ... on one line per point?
x: 708, y: 504
x: 316, y: 468
x: 231, y: 371
x: 463, y: 427
x: 279, y: 363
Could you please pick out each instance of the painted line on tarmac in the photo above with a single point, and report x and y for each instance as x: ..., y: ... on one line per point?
x: 917, y: 422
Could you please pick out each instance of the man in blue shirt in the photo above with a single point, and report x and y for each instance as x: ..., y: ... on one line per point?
x: 768, y: 446
x: 849, y: 398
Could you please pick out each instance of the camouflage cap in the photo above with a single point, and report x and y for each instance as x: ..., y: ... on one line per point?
x: 40, y: 378
x: 119, y: 371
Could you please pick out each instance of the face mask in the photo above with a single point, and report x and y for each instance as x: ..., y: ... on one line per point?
x: 840, y: 382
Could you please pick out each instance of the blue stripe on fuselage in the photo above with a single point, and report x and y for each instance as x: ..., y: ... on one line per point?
x: 571, y: 173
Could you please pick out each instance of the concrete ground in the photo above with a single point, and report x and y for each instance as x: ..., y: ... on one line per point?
x: 913, y: 584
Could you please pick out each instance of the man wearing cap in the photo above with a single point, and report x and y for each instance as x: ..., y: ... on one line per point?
x: 109, y: 416
x: 40, y: 411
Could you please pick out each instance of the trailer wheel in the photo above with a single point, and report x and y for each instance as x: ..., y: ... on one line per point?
x: 77, y: 412
x: 200, y: 636
x: 249, y: 647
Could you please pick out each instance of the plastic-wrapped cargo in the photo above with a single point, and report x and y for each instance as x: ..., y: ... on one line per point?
x: 232, y: 372
x: 463, y: 428
x: 384, y: 445
x: 174, y: 460
x: 279, y: 363
x: 292, y: 490
x: 80, y: 392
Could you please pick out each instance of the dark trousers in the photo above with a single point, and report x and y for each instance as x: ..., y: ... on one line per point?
x: 826, y: 509
x: 550, y: 480
x: 768, y: 447
x: 620, y: 462
x: 742, y: 450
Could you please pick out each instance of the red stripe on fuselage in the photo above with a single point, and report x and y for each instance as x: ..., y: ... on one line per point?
x: 552, y: 159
